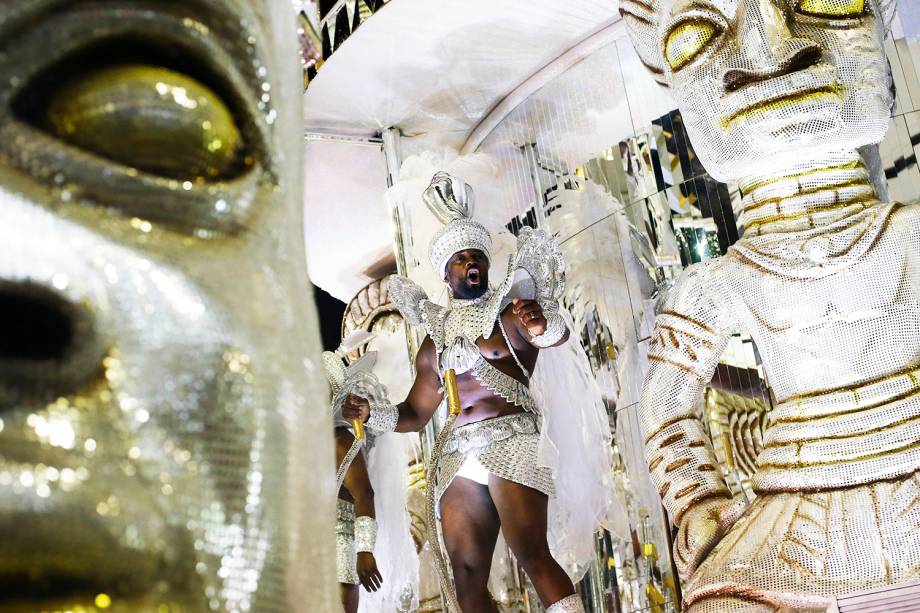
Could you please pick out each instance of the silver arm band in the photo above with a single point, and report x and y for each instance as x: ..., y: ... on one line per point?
x: 365, y: 534
x: 555, y: 328
x: 383, y: 418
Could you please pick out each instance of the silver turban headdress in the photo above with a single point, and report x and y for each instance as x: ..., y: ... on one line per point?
x: 451, y: 200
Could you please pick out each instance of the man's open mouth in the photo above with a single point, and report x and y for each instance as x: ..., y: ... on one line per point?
x: 473, y: 276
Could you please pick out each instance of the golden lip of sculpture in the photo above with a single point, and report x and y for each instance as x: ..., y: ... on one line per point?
x: 773, y: 105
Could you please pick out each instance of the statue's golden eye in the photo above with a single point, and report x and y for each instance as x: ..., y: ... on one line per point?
x: 150, y: 118
x: 831, y: 9
x: 146, y: 111
x: 687, y: 40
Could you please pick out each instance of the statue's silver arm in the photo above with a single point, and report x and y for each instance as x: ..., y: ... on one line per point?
x: 687, y: 340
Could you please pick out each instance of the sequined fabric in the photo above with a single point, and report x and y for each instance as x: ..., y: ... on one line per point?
x: 762, y: 84
x: 799, y: 550
x: 507, y: 446
x: 504, y: 386
x: 452, y: 202
x: 346, y: 555
x: 569, y: 604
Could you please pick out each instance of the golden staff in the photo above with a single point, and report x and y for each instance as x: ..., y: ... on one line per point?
x: 453, y: 403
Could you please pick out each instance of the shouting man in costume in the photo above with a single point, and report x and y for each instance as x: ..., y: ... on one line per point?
x: 490, y: 475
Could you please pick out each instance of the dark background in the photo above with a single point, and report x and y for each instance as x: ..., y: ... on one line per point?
x: 330, y: 318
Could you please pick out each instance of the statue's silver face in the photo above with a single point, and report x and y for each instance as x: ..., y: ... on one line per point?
x: 154, y: 397
x: 758, y: 81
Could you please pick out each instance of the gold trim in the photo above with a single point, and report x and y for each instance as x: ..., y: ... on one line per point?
x: 696, y: 337
x: 783, y: 100
x: 671, y: 438
x: 881, y: 535
x: 683, y: 367
x: 676, y: 464
x: 691, y: 320
x: 913, y: 368
x: 837, y: 437
x: 807, y: 192
x: 686, y: 490
x: 747, y: 189
x: 861, y: 200
x: 871, y: 456
x: 668, y: 424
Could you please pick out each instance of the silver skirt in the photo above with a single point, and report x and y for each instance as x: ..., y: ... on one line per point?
x: 506, y: 446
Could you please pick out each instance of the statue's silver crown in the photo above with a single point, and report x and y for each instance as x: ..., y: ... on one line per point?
x: 451, y: 201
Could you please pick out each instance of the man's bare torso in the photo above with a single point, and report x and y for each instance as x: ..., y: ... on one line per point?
x: 477, y: 401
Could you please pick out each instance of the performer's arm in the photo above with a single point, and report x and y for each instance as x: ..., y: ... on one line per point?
x: 534, y: 329
x: 689, y: 336
x: 415, y: 411
x: 425, y: 395
x: 358, y: 484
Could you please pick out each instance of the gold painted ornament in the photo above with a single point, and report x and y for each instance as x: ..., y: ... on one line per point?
x: 150, y: 118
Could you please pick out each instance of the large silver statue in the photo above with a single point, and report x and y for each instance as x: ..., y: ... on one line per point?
x: 161, y: 429
x: 778, y: 95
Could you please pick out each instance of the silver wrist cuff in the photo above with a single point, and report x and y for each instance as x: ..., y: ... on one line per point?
x: 555, y: 328
x: 383, y: 418
x: 365, y: 534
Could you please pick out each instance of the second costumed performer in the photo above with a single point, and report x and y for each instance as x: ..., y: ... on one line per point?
x: 527, y: 455
x: 371, y: 487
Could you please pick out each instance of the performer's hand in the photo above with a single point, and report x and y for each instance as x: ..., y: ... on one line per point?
x: 701, y: 528
x: 356, y: 407
x: 367, y: 572
x: 530, y: 314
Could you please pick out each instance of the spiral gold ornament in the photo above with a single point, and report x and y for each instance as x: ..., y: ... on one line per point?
x: 149, y: 118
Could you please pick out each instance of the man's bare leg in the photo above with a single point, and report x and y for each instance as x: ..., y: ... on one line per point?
x: 470, y: 525
x: 522, y: 511
x: 349, y: 597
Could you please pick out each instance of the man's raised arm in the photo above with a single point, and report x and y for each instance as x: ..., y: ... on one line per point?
x: 415, y: 411
x: 534, y: 328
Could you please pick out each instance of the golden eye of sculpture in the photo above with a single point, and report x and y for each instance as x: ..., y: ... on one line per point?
x: 831, y: 9
x: 687, y: 40
x: 150, y: 118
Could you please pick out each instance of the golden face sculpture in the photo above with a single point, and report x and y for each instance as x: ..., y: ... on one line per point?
x: 758, y: 81
x: 159, y: 426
